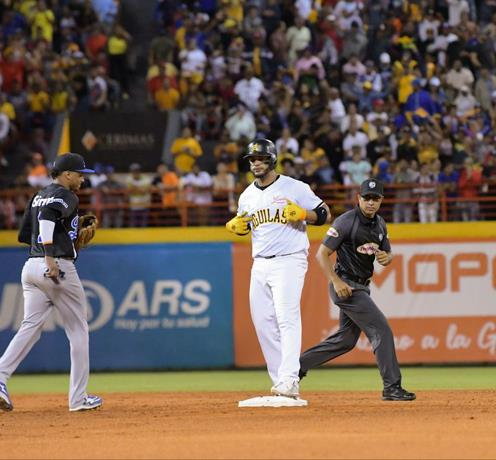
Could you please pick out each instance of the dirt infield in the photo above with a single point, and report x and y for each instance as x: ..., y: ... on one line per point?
x: 441, y: 424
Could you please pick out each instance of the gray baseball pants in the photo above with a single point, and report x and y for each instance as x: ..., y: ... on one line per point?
x: 357, y: 313
x: 41, y: 295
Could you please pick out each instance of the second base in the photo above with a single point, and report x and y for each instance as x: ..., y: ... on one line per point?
x: 273, y: 401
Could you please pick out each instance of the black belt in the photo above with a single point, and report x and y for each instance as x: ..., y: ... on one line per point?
x: 277, y: 255
x: 356, y: 279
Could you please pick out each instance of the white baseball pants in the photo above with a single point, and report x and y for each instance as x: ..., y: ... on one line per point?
x: 275, y: 293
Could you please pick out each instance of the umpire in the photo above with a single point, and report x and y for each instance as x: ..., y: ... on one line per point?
x: 359, y: 237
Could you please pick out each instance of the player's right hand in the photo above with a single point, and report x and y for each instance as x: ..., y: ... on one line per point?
x: 240, y: 225
x: 343, y: 291
x: 52, y: 270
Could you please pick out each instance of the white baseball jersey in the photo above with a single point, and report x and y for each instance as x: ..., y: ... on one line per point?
x: 271, y: 233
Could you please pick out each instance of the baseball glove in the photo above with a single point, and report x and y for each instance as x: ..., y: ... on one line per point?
x: 86, y: 230
x: 293, y: 212
x: 240, y: 225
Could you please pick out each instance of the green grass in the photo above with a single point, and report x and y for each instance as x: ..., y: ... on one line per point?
x: 416, y: 378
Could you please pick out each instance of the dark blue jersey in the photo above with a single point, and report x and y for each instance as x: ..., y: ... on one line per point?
x: 59, y: 205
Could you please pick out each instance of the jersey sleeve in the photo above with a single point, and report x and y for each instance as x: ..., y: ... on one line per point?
x: 306, y: 198
x: 337, y: 233
x: 385, y: 243
x: 63, y: 204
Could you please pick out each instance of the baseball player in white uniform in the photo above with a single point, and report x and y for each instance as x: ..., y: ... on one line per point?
x: 276, y: 209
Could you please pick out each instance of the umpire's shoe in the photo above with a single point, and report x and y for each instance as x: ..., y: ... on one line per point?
x: 5, y: 402
x: 397, y: 393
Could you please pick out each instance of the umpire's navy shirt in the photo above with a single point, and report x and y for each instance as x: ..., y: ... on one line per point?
x: 356, y: 238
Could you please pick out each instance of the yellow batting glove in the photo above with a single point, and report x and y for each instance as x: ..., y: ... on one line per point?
x: 293, y: 212
x: 239, y: 225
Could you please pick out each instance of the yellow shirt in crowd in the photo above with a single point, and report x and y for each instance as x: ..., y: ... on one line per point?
x: 167, y: 99
x: 184, y: 159
x: 116, y: 45
x: 60, y: 101
x: 38, y: 102
x: 405, y: 87
x: 42, y: 25
x: 8, y: 109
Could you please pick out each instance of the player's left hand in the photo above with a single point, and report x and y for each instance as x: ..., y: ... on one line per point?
x: 383, y: 257
x: 87, y: 230
x: 293, y: 212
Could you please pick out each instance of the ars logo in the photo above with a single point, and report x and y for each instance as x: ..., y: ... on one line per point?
x: 333, y: 232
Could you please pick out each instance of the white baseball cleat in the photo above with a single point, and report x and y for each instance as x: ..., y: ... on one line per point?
x: 273, y: 401
x: 89, y: 403
x: 289, y: 388
x: 5, y: 401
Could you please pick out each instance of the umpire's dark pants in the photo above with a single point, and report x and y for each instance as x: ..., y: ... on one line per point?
x: 357, y: 313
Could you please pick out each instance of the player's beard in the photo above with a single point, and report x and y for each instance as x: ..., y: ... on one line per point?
x: 263, y: 174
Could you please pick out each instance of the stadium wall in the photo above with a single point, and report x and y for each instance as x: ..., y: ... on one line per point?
x: 178, y: 298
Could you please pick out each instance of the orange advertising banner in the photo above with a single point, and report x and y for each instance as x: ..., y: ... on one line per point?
x: 440, y: 299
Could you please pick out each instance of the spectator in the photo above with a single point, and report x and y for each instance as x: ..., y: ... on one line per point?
x: 459, y: 76
x: 354, y: 116
x: 336, y: 106
x: 241, y: 124
x: 37, y: 172
x: 448, y: 180
x: 193, y: 62
x: 484, y: 89
x: 167, y: 97
x: 355, y: 139
x: 42, y: 22
x: 185, y: 150
x: 98, y: 90
x: 466, y: 104
x: 223, y: 188
x: 427, y: 195
x: 357, y: 169
x: 469, y: 184
x: 112, y: 200
x: 403, y: 178
x: 168, y: 184
x: 117, y: 48
x: 139, y: 187
x: 298, y: 37
x: 197, y: 188
x: 249, y: 89
x: 287, y: 144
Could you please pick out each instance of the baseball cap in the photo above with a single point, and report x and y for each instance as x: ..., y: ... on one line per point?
x: 71, y: 162
x: 372, y: 187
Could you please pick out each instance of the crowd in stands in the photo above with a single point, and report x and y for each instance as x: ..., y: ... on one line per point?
x: 55, y: 57
x: 402, y: 90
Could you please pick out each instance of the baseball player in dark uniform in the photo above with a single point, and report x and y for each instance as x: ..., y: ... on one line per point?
x: 54, y: 231
x: 359, y: 237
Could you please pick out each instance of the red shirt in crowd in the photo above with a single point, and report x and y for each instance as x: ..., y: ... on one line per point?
x: 469, y: 182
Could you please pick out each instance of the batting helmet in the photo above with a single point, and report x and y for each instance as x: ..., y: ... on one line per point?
x: 262, y: 148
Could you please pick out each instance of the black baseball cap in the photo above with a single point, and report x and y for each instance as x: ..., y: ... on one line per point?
x: 71, y: 162
x: 372, y: 187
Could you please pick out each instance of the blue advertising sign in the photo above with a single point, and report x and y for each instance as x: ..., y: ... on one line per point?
x: 157, y: 306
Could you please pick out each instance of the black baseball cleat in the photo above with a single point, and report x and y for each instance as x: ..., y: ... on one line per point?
x: 397, y: 393
x: 302, y: 374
